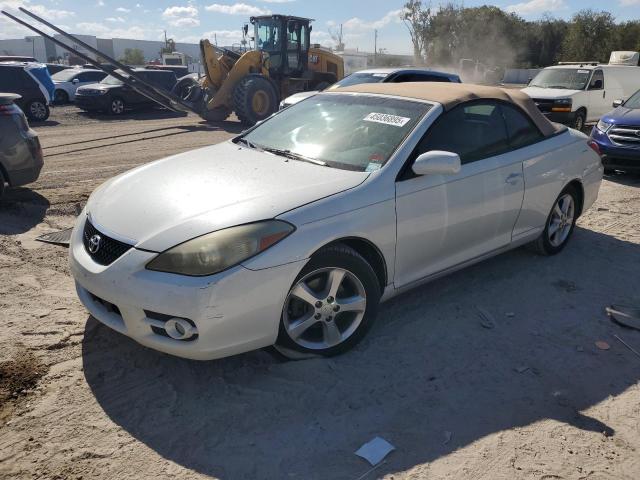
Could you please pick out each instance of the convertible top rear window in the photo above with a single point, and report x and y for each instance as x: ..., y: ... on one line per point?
x: 353, y: 132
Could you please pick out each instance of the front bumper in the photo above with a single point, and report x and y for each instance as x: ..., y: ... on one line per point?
x: 234, y: 311
x: 566, y: 118
x: 92, y: 102
x: 616, y: 157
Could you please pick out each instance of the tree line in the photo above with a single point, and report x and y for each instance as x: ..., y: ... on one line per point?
x: 495, y: 37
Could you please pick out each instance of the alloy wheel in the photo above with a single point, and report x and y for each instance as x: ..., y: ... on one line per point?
x: 38, y: 110
x: 561, y: 220
x: 324, y: 308
x: 117, y: 106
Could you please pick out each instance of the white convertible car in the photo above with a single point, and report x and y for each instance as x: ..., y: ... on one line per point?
x: 293, y: 232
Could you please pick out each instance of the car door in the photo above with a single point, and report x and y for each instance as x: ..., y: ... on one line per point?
x: 599, y: 101
x: 444, y: 221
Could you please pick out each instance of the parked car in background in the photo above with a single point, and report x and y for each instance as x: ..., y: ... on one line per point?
x: 114, y: 97
x: 68, y: 81
x: 34, y: 85
x: 293, y: 232
x: 577, y: 93
x: 16, y: 58
x: 20, y: 151
x: 380, y: 75
x: 54, y: 68
x: 617, y: 135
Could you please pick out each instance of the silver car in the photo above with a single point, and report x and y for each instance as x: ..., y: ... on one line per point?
x: 293, y: 232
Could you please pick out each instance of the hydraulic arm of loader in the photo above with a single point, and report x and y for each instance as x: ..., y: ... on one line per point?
x: 157, y: 94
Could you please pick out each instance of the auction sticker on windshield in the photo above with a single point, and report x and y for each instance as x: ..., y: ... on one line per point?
x: 387, y: 119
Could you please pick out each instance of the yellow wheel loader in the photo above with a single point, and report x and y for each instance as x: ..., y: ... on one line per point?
x: 250, y: 84
x: 253, y: 83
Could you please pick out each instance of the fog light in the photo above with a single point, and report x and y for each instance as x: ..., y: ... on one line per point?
x: 179, y: 328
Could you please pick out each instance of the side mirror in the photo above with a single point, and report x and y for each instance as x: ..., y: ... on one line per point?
x: 617, y: 103
x: 76, y: 80
x: 437, y: 162
x: 529, y: 80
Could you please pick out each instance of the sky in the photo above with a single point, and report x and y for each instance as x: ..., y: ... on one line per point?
x: 191, y: 20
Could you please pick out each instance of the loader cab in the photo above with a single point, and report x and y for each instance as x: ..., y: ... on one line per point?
x: 286, y: 40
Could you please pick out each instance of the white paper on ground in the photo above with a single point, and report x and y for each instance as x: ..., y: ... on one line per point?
x: 375, y: 450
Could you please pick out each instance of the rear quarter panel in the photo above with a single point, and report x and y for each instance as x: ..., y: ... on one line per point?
x: 551, y: 166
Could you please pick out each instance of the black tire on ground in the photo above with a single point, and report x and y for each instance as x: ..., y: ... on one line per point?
x: 216, y: 115
x: 60, y: 97
x: 578, y: 121
x: 544, y: 244
x: 254, y: 99
x: 2, y: 182
x: 344, y: 258
x: 37, y: 111
x: 116, y: 106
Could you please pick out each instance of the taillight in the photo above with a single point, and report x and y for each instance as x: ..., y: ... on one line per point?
x: 11, y: 109
x: 595, y: 147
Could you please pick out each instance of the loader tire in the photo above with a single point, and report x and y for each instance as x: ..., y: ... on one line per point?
x: 254, y: 99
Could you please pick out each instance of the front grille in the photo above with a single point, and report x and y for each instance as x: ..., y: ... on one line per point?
x: 543, y: 104
x: 108, y: 251
x: 625, y: 135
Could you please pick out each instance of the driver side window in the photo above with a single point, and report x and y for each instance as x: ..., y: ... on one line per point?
x: 597, y: 81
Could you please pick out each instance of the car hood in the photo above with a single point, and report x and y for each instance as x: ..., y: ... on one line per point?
x: 552, y: 93
x: 297, y: 97
x: 623, y: 115
x: 97, y: 86
x: 164, y: 203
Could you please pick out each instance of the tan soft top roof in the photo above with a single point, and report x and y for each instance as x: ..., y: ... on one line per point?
x: 452, y: 94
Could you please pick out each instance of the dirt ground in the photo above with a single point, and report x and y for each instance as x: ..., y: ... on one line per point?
x: 530, y: 398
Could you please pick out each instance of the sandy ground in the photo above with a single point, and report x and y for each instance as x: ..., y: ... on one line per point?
x: 530, y: 398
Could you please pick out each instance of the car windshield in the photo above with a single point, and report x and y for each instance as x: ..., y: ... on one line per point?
x: 109, y: 80
x: 64, y: 75
x: 567, y: 78
x: 352, y: 132
x: 357, y: 78
x: 634, y: 101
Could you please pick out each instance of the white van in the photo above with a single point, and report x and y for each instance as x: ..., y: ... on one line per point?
x: 575, y: 93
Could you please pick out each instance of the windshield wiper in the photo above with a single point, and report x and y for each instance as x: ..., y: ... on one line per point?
x: 246, y: 142
x: 558, y: 86
x: 293, y: 156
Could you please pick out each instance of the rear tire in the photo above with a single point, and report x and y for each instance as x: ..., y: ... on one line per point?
x: 339, y: 309
x: 116, y: 106
x: 254, y: 99
x: 560, y: 223
x: 37, y: 111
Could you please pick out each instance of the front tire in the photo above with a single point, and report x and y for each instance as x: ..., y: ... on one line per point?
x: 254, y: 99
x: 116, y: 106
x: 37, y: 111
x: 331, y: 305
x: 60, y: 97
x: 578, y: 122
x: 560, y: 223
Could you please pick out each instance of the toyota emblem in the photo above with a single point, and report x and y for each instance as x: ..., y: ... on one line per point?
x: 94, y: 243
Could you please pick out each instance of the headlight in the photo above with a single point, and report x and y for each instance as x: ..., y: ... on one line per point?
x: 217, y: 251
x: 562, y: 105
x: 603, y: 126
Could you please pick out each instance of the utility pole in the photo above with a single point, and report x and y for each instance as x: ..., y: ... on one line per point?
x: 375, y: 47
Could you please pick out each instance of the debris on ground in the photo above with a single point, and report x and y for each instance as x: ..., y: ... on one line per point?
x: 486, y: 319
x: 627, y: 345
x: 62, y: 237
x: 602, y: 345
x: 375, y: 450
x: 624, y: 315
x: 18, y: 376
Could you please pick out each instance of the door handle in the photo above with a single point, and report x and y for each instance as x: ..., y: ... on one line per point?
x: 513, y: 178
x: 604, y: 94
